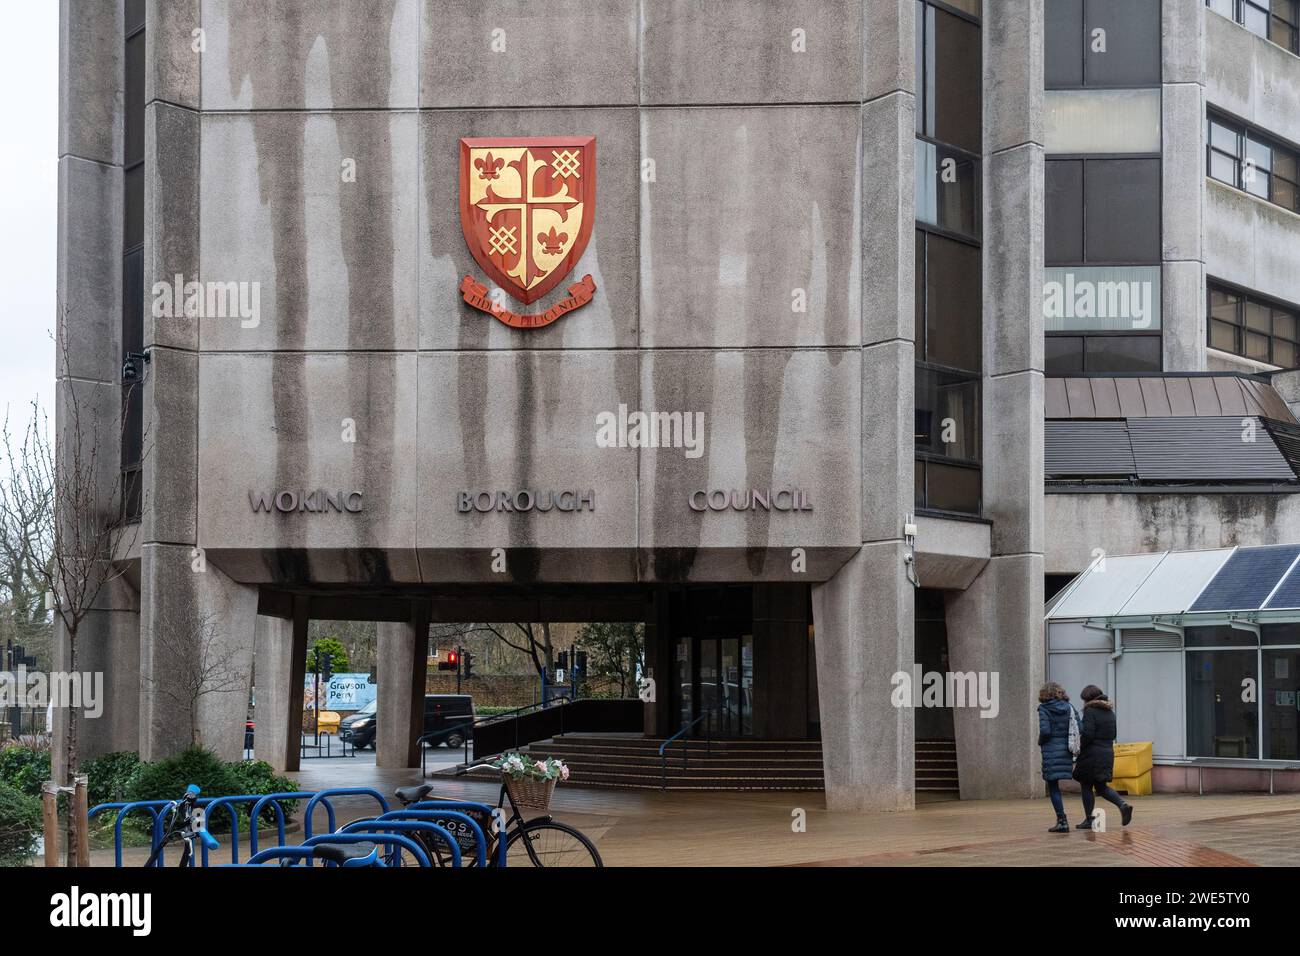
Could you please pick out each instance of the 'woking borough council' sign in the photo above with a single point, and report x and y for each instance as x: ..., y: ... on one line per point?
x: 526, y: 209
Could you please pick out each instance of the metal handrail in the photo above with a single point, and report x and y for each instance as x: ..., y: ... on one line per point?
x: 477, y: 722
x: 686, y: 746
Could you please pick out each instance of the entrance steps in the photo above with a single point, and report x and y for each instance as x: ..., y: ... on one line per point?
x: 936, y: 766
x: 633, y: 763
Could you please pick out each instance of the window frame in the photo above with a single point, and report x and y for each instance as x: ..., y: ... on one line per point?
x: 1241, y: 161
x: 1265, y: 8
x: 1245, y: 298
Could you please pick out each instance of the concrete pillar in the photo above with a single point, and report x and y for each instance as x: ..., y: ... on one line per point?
x: 196, y: 642
x: 863, y: 617
x: 864, y: 633
x: 1182, y: 177
x: 401, y: 661
x: 995, y: 626
x: 276, y: 734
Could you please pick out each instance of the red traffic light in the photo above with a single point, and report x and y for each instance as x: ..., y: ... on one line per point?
x: 451, y: 657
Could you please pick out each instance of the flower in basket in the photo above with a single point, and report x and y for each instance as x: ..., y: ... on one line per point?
x: 519, y: 767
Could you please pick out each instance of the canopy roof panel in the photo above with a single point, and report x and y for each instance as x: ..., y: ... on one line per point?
x: 1184, y: 586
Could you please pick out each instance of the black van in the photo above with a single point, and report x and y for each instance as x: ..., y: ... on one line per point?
x: 443, y: 715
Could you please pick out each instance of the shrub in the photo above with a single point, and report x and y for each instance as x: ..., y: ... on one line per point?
x: 109, y: 777
x: 25, y: 769
x: 20, y: 823
x: 167, y: 780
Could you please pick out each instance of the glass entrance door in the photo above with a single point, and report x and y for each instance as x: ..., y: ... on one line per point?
x: 716, y: 682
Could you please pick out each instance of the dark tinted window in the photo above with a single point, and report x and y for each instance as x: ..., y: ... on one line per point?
x: 134, y: 15
x: 1063, y: 59
x: 947, y: 188
x: 1063, y: 216
x: 1122, y: 353
x: 1132, y: 42
x: 952, y: 303
x: 134, y: 208
x: 1122, y: 209
x: 133, y: 302
x: 1252, y: 327
x: 950, y: 78
x: 134, y: 100
x: 952, y: 488
x: 1063, y: 355
x: 947, y: 414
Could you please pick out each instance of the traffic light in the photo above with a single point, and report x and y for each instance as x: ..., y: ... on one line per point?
x: 580, y: 662
x: 467, y: 663
x: 563, y: 662
x: 326, y: 663
x: 450, y: 663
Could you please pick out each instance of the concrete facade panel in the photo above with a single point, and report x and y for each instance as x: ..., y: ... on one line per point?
x: 512, y: 421
x: 89, y: 271
x: 90, y: 94
x: 310, y: 54
x: 302, y: 423
x: 751, y: 51
x: 774, y: 419
x: 507, y: 53
x: 332, y: 261
x: 611, y: 257
x: 750, y: 231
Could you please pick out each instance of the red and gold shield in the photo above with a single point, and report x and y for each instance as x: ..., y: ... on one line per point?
x: 526, y: 208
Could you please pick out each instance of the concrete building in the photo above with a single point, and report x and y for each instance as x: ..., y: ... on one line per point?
x: 818, y: 225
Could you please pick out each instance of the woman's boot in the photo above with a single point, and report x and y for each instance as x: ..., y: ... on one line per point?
x: 1062, y: 826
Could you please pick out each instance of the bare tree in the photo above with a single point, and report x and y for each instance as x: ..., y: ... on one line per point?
x: 89, y: 527
x: 617, y: 650
x: 195, y: 663
x: 26, y: 534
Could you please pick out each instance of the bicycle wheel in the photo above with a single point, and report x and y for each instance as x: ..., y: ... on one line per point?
x: 547, y: 843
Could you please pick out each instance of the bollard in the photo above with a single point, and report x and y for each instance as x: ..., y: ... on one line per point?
x: 50, y: 821
x: 81, y: 809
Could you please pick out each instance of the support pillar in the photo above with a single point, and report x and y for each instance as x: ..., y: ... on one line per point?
x: 275, y: 737
x: 864, y: 618
x: 995, y: 626
x: 190, y: 608
x: 402, y: 660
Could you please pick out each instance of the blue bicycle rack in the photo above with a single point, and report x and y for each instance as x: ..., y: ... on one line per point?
x: 440, y: 809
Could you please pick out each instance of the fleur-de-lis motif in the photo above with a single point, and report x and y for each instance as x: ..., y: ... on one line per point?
x: 488, y: 168
x: 552, y: 244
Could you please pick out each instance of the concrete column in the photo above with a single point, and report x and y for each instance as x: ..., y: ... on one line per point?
x: 863, y: 617
x: 275, y: 734
x: 1182, y: 176
x: 995, y: 626
x: 402, y: 656
x: 864, y: 633
x: 196, y: 642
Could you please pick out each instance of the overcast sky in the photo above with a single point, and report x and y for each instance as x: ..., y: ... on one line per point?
x: 29, y: 114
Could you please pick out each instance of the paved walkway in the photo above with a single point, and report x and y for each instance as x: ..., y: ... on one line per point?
x: 648, y: 828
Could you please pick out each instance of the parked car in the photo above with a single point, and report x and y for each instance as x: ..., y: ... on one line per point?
x: 444, y: 718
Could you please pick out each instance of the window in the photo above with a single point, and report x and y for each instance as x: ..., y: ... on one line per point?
x: 1102, y: 121
x: 1252, y: 327
x: 947, y: 188
x: 1102, y: 211
x: 1101, y: 354
x: 948, y: 476
x: 948, y: 299
x: 1246, y: 159
x: 1113, y: 43
x: 132, y: 440
x: 1274, y: 20
x: 1219, y: 723
x: 949, y: 78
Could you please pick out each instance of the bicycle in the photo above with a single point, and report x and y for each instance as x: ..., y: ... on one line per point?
x: 541, y: 841
x: 186, y: 821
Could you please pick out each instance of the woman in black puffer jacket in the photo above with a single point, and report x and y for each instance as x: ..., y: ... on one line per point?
x: 1096, y: 763
x: 1054, y: 711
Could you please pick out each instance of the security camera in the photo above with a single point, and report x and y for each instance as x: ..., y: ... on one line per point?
x: 131, y: 370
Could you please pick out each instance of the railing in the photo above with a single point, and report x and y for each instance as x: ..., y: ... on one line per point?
x: 686, y: 746
x: 466, y: 730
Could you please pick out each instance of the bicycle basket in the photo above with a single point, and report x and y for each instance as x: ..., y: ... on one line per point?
x: 528, y: 796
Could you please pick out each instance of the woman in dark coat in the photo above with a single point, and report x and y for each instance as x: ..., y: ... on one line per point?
x: 1096, y: 763
x: 1054, y: 710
